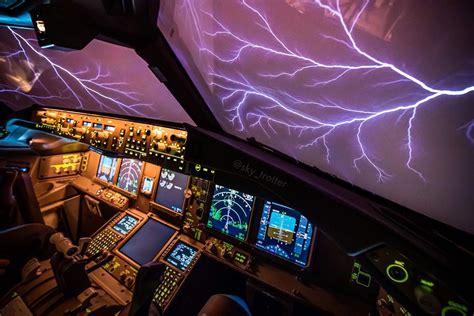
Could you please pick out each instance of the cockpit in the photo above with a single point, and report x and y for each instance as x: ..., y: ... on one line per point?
x: 244, y: 157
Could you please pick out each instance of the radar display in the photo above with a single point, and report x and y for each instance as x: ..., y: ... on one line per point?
x: 129, y: 175
x: 285, y: 232
x: 230, y: 212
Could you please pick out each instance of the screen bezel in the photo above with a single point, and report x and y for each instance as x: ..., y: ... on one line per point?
x: 136, y: 229
x: 160, y: 207
x: 223, y: 236
x: 274, y: 257
x: 167, y: 255
x: 123, y: 191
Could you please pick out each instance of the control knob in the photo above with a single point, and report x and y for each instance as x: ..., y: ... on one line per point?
x: 211, y: 247
x: 427, y: 301
x: 80, y: 130
x: 129, y: 280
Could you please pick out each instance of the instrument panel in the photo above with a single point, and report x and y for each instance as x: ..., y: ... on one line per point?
x: 233, y: 224
x: 148, y: 142
x: 141, y: 171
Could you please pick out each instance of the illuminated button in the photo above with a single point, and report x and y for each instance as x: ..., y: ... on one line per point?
x: 397, y: 273
x: 161, y: 146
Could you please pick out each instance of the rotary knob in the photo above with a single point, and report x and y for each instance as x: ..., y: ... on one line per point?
x: 212, y: 248
x: 129, y: 280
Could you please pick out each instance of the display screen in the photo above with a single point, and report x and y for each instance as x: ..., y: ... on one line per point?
x: 144, y: 245
x: 107, y: 168
x: 147, y: 185
x: 230, y: 212
x: 129, y: 175
x: 284, y: 232
x: 170, y: 192
x: 181, y: 255
x: 125, y: 225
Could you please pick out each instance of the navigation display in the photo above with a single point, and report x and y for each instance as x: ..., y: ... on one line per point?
x: 170, y: 192
x: 181, y: 255
x: 285, y: 232
x: 145, y: 244
x: 125, y: 225
x: 129, y: 175
x: 107, y: 168
x: 230, y: 212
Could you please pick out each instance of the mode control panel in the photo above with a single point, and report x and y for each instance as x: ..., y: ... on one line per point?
x: 421, y: 288
x: 149, y: 142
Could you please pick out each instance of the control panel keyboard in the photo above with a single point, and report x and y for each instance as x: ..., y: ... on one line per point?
x: 169, y: 284
x: 117, y: 228
x: 106, y: 239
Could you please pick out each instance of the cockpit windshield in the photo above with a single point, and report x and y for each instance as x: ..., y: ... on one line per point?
x: 377, y: 93
x: 102, y: 77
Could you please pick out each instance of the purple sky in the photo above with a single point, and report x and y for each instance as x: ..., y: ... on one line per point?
x: 101, y: 77
x: 379, y: 95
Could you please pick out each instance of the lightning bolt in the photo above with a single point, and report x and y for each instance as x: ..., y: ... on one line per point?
x: 89, y: 87
x: 313, y: 108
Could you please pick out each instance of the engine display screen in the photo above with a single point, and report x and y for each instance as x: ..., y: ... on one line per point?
x: 285, y: 232
x: 129, y: 175
x: 145, y: 244
x: 170, y: 192
x: 181, y: 255
x: 107, y: 168
x: 126, y: 224
x: 230, y: 212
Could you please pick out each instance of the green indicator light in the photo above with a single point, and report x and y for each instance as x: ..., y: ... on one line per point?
x: 197, y: 168
x: 427, y: 283
x: 397, y: 273
x: 360, y: 277
x: 457, y: 305
x: 447, y: 309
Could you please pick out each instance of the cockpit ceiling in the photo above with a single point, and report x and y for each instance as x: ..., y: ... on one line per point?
x: 102, y: 77
x: 378, y: 93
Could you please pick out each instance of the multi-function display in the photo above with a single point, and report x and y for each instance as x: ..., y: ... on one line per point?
x: 129, y: 175
x: 230, y: 212
x: 145, y: 244
x: 285, y: 232
x: 181, y: 256
x: 107, y: 168
x: 170, y: 192
x: 125, y: 224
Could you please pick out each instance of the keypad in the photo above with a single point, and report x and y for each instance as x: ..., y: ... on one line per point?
x: 168, y: 286
x: 106, y: 239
